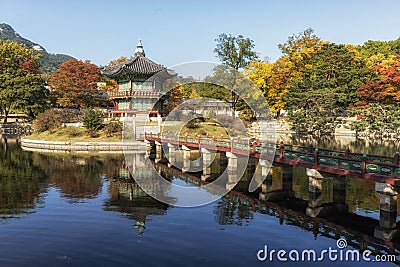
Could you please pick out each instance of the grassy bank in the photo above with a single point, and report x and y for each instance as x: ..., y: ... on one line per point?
x: 75, y: 134
x: 198, y: 129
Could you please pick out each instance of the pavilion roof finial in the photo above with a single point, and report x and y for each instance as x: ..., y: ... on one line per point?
x: 139, y: 51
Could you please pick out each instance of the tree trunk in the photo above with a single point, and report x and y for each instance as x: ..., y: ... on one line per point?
x: 5, y: 116
x: 278, y: 114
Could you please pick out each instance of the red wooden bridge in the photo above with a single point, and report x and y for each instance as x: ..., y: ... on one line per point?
x: 342, y: 162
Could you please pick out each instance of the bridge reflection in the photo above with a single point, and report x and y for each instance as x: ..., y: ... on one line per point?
x: 324, y: 207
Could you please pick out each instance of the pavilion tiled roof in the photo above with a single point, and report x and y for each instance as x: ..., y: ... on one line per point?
x: 135, y: 65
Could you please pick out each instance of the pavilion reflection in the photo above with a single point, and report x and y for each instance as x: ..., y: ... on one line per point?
x: 129, y: 199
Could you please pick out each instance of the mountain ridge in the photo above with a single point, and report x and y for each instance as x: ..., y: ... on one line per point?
x: 48, y: 62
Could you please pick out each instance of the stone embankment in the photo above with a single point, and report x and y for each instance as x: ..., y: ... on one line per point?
x: 81, y: 147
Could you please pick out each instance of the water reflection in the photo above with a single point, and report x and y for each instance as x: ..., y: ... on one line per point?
x: 229, y: 212
x: 368, y: 146
x: 22, y: 183
x: 331, y: 211
x: 77, y: 177
x: 108, y: 191
x: 128, y: 198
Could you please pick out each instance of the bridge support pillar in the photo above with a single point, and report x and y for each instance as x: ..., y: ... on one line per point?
x: 388, y: 196
x: 207, y: 161
x: 266, y: 187
x: 315, y: 192
x: 232, y: 179
x: 148, y: 147
x: 232, y: 160
x: 314, y: 181
x: 265, y: 167
x: 276, y: 187
x: 314, y: 206
x: 186, y: 158
x: 339, y: 192
x: 159, y: 152
x: 287, y: 178
x: 232, y: 170
x: 171, y: 155
x: 388, y: 211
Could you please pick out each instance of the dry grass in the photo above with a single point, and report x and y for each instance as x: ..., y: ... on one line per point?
x: 74, y: 134
x: 202, y: 130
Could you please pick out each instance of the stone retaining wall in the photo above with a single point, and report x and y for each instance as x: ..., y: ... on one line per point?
x: 81, y: 147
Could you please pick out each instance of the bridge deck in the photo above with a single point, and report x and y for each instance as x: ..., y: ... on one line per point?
x: 343, y: 162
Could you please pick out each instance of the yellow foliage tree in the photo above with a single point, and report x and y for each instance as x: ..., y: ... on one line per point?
x: 194, y: 94
x: 117, y: 61
x: 273, y: 80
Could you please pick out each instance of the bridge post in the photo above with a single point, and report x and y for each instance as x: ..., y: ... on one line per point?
x: 316, y: 152
x: 148, y: 147
x: 265, y: 170
x: 388, y: 211
x: 232, y: 179
x: 339, y: 192
x: 364, y: 160
x: 232, y: 160
x: 171, y: 155
x: 278, y: 184
x: 159, y: 152
x: 266, y: 187
x: 207, y: 161
x: 186, y: 158
x: 310, y: 148
x: 314, y: 181
x: 347, y: 152
x: 396, y: 158
x: 281, y: 150
x: 314, y: 206
x: 232, y: 169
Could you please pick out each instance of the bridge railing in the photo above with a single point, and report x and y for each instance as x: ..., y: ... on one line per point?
x: 362, y: 165
x: 339, y: 159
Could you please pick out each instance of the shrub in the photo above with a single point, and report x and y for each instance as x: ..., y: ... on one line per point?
x: 202, y: 132
x: 113, y: 127
x: 92, y: 121
x: 53, y: 119
x: 192, y: 124
x: 72, y: 131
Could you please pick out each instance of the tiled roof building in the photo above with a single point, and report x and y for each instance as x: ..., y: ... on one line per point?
x: 139, y: 82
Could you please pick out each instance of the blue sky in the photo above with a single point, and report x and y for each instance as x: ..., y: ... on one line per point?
x: 175, y: 31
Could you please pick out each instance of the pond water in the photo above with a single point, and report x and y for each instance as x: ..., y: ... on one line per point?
x: 68, y: 210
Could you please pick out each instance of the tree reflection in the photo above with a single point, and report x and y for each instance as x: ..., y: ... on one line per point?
x: 233, y: 211
x: 77, y: 177
x: 361, y: 194
x: 21, y: 181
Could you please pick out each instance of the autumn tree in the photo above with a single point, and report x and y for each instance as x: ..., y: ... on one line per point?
x: 75, y: 84
x: 108, y: 85
x: 384, y: 88
x: 377, y: 110
x: 117, y: 61
x: 272, y: 80
x: 325, y: 90
x: 21, y: 85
